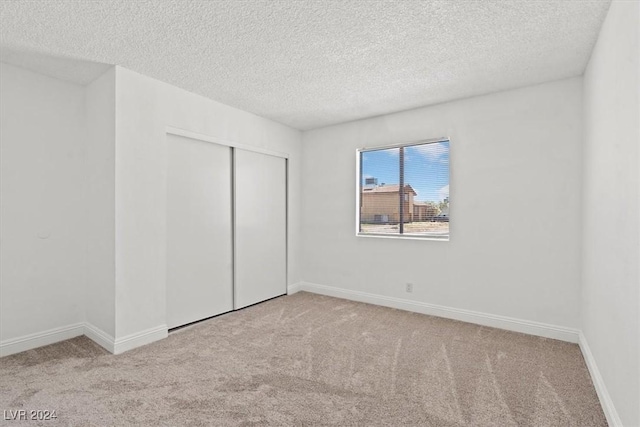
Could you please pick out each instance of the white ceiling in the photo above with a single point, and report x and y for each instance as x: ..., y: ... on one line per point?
x: 309, y: 64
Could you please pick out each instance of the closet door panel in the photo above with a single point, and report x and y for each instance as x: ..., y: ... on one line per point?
x: 199, y: 230
x: 260, y: 227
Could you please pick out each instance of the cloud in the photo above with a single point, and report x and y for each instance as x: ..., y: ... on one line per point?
x: 443, y: 192
x: 432, y: 151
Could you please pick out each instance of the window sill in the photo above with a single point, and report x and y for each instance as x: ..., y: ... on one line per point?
x: 404, y: 236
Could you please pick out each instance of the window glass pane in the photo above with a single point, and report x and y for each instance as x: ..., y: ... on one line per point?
x: 426, y: 171
x: 425, y: 197
x: 379, y: 198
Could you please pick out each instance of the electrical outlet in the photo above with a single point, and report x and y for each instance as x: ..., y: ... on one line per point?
x: 409, y: 287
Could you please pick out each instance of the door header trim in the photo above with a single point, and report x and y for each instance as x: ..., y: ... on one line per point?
x: 215, y: 140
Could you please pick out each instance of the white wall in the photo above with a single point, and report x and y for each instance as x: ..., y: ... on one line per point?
x: 515, y: 207
x: 100, y: 289
x: 611, y: 279
x: 42, y: 208
x: 144, y: 107
x: 84, y: 168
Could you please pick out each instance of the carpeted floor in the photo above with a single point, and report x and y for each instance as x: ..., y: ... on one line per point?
x: 310, y: 360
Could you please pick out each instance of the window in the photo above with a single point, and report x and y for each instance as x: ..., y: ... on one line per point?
x: 403, y: 190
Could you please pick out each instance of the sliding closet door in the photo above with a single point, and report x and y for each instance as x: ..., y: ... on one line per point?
x: 260, y: 227
x: 199, y: 230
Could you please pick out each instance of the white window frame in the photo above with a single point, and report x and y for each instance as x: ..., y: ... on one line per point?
x: 428, y: 237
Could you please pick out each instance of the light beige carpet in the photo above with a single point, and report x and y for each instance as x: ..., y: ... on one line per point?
x: 310, y: 360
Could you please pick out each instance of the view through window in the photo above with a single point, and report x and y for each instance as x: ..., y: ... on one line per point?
x: 405, y: 190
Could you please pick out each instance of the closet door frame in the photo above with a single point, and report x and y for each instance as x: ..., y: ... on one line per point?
x: 171, y: 130
x: 202, y: 137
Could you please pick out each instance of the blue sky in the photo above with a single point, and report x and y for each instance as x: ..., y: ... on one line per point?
x: 426, y: 169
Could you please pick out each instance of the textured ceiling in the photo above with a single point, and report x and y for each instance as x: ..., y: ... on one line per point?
x: 309, y: 64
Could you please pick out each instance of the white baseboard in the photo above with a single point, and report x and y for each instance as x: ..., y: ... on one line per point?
x: 502, y: 322
x: 52, y: 336
x: 99, y: 336
x: 613, y: 419
x: 138, y: 339
x: 39, y: 339
x: 292, y: 289
x: 479, y: 318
